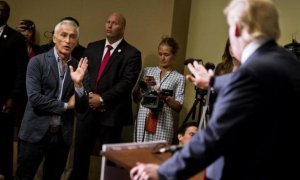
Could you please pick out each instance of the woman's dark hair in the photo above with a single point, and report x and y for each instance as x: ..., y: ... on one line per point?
x: 226, y: 65
x: 169, y: 41
x: 27, y: 24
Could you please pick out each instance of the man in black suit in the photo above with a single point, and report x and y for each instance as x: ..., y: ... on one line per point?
x: 14, y: 59
x: 254, y: 125
x: 47, y: 125
x: 108, y: 101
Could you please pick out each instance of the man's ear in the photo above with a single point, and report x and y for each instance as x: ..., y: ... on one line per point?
x: 237, y: 31
x: 54, y: 38
x: 179, y: 137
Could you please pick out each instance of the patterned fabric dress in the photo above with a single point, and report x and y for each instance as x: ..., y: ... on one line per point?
x: 165, y: 125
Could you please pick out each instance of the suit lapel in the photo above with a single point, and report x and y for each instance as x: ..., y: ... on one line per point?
x: 54, y: 69
x: 99, y: 55
x: 5, y: 37
x: 68, y: 81
x: 53, y: 64
x: 6, y: 32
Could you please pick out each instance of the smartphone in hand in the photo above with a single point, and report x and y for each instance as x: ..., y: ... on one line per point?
x: 149, y: 80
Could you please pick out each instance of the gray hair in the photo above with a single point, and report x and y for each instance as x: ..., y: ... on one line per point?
x: 68, y: 22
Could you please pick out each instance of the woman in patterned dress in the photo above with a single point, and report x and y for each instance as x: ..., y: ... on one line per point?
x: 154, y: 124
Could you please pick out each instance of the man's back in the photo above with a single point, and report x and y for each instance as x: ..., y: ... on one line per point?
x: 254, y: 122
x: 262, y: 142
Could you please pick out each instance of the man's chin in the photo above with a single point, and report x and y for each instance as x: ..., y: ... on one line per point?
x: 67, y: 52
x: 109, y: 34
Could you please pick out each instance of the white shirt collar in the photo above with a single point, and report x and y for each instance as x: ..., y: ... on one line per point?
x: 2, y: 29
x: 57, y: 57
x: 114, y: 45
x: 251, y: 48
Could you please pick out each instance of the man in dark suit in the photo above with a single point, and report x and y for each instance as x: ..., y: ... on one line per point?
x: 13, y: 56
x: 254, y: 122
x: 47, y: 125
x: 108, y: 101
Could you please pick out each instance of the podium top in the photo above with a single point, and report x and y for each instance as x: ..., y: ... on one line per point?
x: 127, y: 158
x: 127, y: 155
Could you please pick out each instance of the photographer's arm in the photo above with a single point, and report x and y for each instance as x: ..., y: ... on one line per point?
x: 137, y: 94
x: 172, y: 103
x: 175, y: 102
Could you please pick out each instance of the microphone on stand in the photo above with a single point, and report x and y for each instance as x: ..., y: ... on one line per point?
x: 172, y: 149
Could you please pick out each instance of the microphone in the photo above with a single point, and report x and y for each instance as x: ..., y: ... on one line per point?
x: 191, y: 60
x: 171, y: 149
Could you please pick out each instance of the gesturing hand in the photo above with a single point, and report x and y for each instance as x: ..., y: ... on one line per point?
x: 201, y: 76
x: 78, y: 75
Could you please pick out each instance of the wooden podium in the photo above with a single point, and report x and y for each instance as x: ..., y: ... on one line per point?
x: 125, y: 156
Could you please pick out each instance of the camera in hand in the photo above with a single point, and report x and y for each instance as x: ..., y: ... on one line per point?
x: 151, y: 99
x: 166, y: 92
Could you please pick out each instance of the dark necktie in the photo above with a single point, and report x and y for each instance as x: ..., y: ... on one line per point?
x: 104, y: 61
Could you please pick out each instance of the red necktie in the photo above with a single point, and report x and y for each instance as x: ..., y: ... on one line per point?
x: 104, y: 62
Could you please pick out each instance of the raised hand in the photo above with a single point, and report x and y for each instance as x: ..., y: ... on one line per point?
x: 78, y: 75
x: 200, y: 76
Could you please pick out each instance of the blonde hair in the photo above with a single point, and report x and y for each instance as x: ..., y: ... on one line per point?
x: 258, y: 19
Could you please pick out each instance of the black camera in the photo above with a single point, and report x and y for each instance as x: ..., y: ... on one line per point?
x: 151, y: 99
x: 166, y: 92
